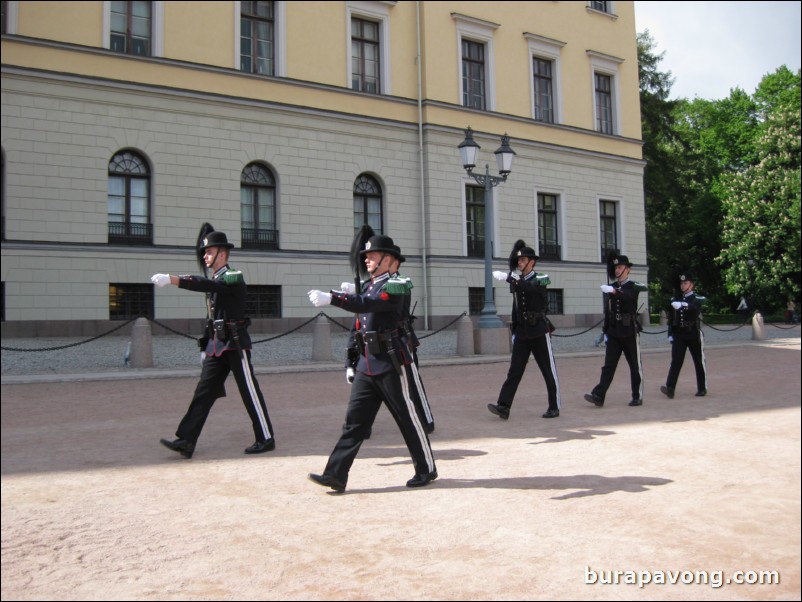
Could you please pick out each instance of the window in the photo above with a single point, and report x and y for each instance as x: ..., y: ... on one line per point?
x: 601, y: 6
x: 365, y: 57
x: 543, y: 90
x: 129, y: 200
x: 4, y: 22
x: 473, y: 75
x: 554, y: 301
x: 258, y: 208
x: 608, y: 226
x: 604, y: 103
x: 476, y: 299
x: 477, y: 77
x: 257, y: 38
x: 547, y: 227
x: 263, y: 301
x: 475, y: 220
x: 127, y: 301
x: 3, y: 300
x: 367, y: 203
x: 606, y: 113
x: 131, y: 31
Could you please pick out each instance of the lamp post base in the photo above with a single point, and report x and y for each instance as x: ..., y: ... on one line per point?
x: 492, y: 341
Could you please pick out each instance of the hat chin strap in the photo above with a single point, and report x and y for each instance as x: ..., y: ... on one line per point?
x: 378, y: 263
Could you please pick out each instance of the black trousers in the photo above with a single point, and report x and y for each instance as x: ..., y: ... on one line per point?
x: 695, y: 343
x: 367, y: 393
x: 541, y: 350
x: 630, y: 347
x: 213, y: 375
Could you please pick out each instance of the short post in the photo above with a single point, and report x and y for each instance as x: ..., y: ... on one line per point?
x: 465, y: 344
x: 663, y: 320
x: 758, y: 332
x: 141, y: 344
x: 321, y: 340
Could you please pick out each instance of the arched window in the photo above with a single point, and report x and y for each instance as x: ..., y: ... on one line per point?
x: 258, y: 208
x: 368, y: 203
x: 129, y: 199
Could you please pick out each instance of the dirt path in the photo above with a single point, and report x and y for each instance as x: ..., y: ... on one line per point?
x: 93, y: 508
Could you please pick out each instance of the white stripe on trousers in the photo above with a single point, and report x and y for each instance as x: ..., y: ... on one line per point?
x: 421, y: 393
x: 255, y: 397
x: 413, y: 415
x: 640, y: 365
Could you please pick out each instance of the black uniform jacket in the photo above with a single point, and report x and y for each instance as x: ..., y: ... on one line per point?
x: 685, y: 320
x: 529, y: 305
x: 621, y: 311
x: 379, y: 310
x: 227, y: 292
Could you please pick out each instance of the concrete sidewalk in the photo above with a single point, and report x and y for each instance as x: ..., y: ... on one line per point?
x: 689, y: 489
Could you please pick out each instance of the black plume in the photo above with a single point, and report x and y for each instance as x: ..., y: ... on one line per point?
x: 358, y: 268
x: 519, y: 244
x: 205, y: 230
x: 611, y: 257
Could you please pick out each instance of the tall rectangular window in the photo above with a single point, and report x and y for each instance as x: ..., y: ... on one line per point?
x: 263, y: 301
x: 544, y: 90
x: 257, y: 38
x: 476, y: 300
x: 474, y: 93
x: 608, y: 228
x: 128, y: 301
x: 131, y: 27
x: 475, y: 220
x: 547, y: 227
x: 604, y: 103
x: 600, y: 6
x: 365, y: 56
x: 554, y: 301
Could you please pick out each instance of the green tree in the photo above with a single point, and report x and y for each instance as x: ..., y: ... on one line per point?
x: 761, y: 226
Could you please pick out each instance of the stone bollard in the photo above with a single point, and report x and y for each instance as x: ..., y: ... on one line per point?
x: 663, y: 318
x: 465, y: 344
x: 141, y: 344
x: 321, y: 340
x: 758, y: 333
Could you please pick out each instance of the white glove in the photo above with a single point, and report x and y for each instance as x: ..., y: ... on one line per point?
x: 203, y: 356
x: 349, y: 375
x: 160, y: 280
x: 500, y: 276
x: 605, y: 339
x: 348, y: 288
x: 606, y: 288
x: 514, y: 276
x: 678, y: 304
x: 671, y: 340
x: 319, y: 298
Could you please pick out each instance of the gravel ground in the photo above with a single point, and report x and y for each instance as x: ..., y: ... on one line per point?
x: 77, y: 355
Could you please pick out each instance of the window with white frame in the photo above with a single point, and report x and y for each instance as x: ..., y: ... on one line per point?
x: 608, y: 228
x: 546, y: 86
x: 605, y: 82
x: 548, y: 227
x: 476, y: 62
x: 135, y: 28
x: 368, y: 30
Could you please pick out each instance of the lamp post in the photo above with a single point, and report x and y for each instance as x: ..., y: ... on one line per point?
x: 469, y: 150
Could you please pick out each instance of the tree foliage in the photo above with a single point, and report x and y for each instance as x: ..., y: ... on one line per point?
x: 721, y: 187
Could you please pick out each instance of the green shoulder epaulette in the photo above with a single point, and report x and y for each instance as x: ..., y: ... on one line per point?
x: 543, y: 279
x: 233, y: 277
x: 640, y: 287
x: 398, y: 285
x: 701, y: 299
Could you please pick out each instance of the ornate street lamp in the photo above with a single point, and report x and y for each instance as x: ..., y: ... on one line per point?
x: 469, y: 151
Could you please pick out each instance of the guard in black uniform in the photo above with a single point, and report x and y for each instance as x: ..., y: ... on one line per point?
x: 531, y: 331
x: 227, y: 349
x: 685, y: 332
x: 621, y: 331
x: 379, y: 370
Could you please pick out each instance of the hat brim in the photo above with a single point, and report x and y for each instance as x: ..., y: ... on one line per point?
x: 392, y: 252
x: 226, y: 245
